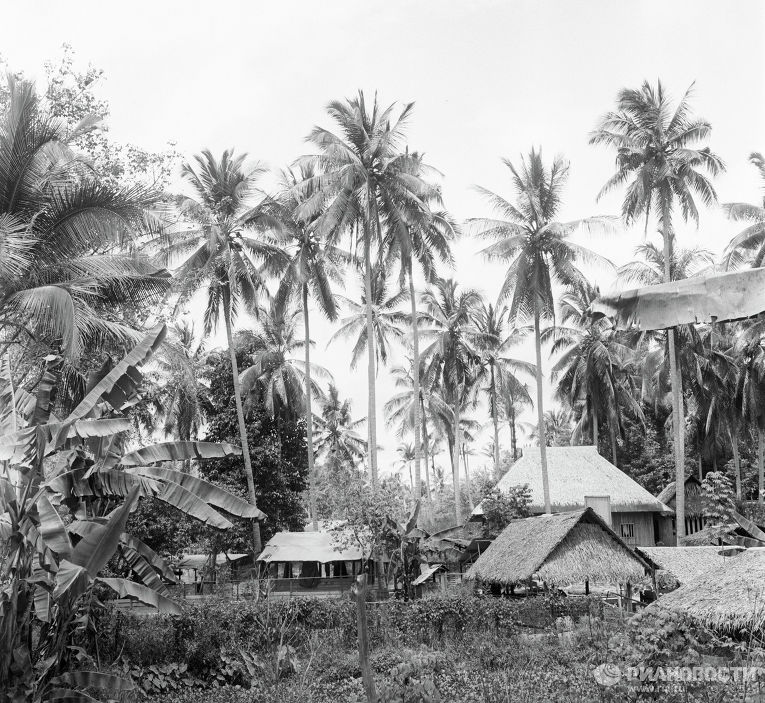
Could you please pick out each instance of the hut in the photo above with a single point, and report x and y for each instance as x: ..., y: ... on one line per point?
x: 577, y: 475
x: 730, y: 597
x: 695, y: 519
x: 687, y: 563
x: 559, y: 549
x: 319, y: 562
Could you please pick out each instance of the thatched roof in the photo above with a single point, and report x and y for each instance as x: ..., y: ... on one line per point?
x: 686, y: 563
x: 200, y: 561
x: 309, y: 546
x: 576, y: 472
x: 728, y: 597
x: 561, y: 548
x: 694, y: 505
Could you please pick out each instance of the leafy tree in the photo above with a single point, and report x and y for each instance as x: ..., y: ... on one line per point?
x: 538, y: 251
x: 500, y: 507
x: 656, y: 159
x: 226, y: 256
x: 718, y: 498
x: 277, y: 446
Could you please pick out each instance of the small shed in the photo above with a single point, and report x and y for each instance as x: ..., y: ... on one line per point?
x: 559, y: 549
x: 729, y: 597
x: 695, y: 519
x: 687, y: 563
x: 192, y: 567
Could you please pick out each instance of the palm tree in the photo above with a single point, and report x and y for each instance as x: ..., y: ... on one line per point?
x: 387, y: 320
x: 71, y: 276
x: 276, y: 378
x: 180, y: 363
x: 748, y: 245
x: 514, y: 398
x: 556, y: 428
x: 406, y: 457
x: 337, y: 436
x: 364, y: 180
x: 313, y: 267
x: 491, y: 323
x: 751, y: 398
x: 426, y: 239
x: 453, y: 355
x: 219, y: 223
x: 407, y: 410
x: 539, y: 253
x: 594, y: 370
x: 655, y: 154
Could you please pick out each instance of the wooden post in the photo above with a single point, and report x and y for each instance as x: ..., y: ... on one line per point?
x: 628, y: 597
x: 359, y: 590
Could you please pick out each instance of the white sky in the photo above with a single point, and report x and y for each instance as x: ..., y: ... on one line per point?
x: 490, y: 78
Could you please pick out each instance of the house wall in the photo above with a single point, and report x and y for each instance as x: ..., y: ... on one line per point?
x: 642, y: 528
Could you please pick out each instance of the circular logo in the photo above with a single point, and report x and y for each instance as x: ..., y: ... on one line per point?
x: 607, y: 674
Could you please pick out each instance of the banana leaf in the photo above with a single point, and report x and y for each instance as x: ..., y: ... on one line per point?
x: 99, y: 428
x: 143, y: 570
x: 19, y: 448
x: 71, y: 579
x: 94, y: 679
x: 45, y: 390
x: 179, y: 497
x: 204, y: 490
x: 120, y: 386
x: 179, y: 451
x: 95, y: 549
x: 52, y: 528
x: 159, y: 564
x: 130, y: 589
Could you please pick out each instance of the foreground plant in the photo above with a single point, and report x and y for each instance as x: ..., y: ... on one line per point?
x: 51, y: 565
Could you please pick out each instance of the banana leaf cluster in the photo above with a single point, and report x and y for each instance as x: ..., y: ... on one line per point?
x: 67, y: 488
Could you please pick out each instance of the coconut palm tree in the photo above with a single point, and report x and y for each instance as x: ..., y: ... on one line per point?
x: 426, y: 240
x: 452, y: 357
x: 220, y: 221
x: 514, y: 398
x: 405, y: 452
x: 406, y: 410
x: 594, y: 370
x: 657, y: 160
x: 387, y: 320
x: 276, y: 378
x: 365, y: 180
x: 314, y: 265
x: 556, y: 428
x: 491, y: 321
x: 751, y: 398
x: 71, y: 276
x: 538, y: 251
x: 337, y: 437
x: 747, y: 246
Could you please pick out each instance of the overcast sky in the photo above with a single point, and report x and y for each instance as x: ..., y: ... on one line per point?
x: 489, y: 78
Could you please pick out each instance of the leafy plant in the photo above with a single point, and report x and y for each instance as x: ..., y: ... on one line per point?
x: 51, y: 569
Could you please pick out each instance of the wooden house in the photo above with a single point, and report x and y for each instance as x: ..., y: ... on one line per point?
x: 581, y: 477
x: 695, y: 520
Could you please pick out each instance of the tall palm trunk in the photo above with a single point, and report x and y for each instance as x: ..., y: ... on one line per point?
x: 540, y: 408
x: 736, y: 463
x: 416, y: 389
x: 372, y: 402
x: 309, y: 413
x: 760, y: 463
x: 595, y: 428
x: 425, y: 442
x: 678, y: 429
x: 614, y: 446
x: 513, y: 436
x: 256, y: 543
x: 456, y: 462
x: 495, y: 420
x: 467, y: 480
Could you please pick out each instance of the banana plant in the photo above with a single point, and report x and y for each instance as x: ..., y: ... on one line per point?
x: 51, y: 566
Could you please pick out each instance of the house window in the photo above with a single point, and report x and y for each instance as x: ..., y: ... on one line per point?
x: 628, y: 531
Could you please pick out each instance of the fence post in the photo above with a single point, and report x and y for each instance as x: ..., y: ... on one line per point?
x: 359, y: 590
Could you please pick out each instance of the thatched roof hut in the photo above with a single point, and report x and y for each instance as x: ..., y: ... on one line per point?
x: 561, y: 549
x: 687, y: 563
x: 730, y: 597
x: 574, y: 473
